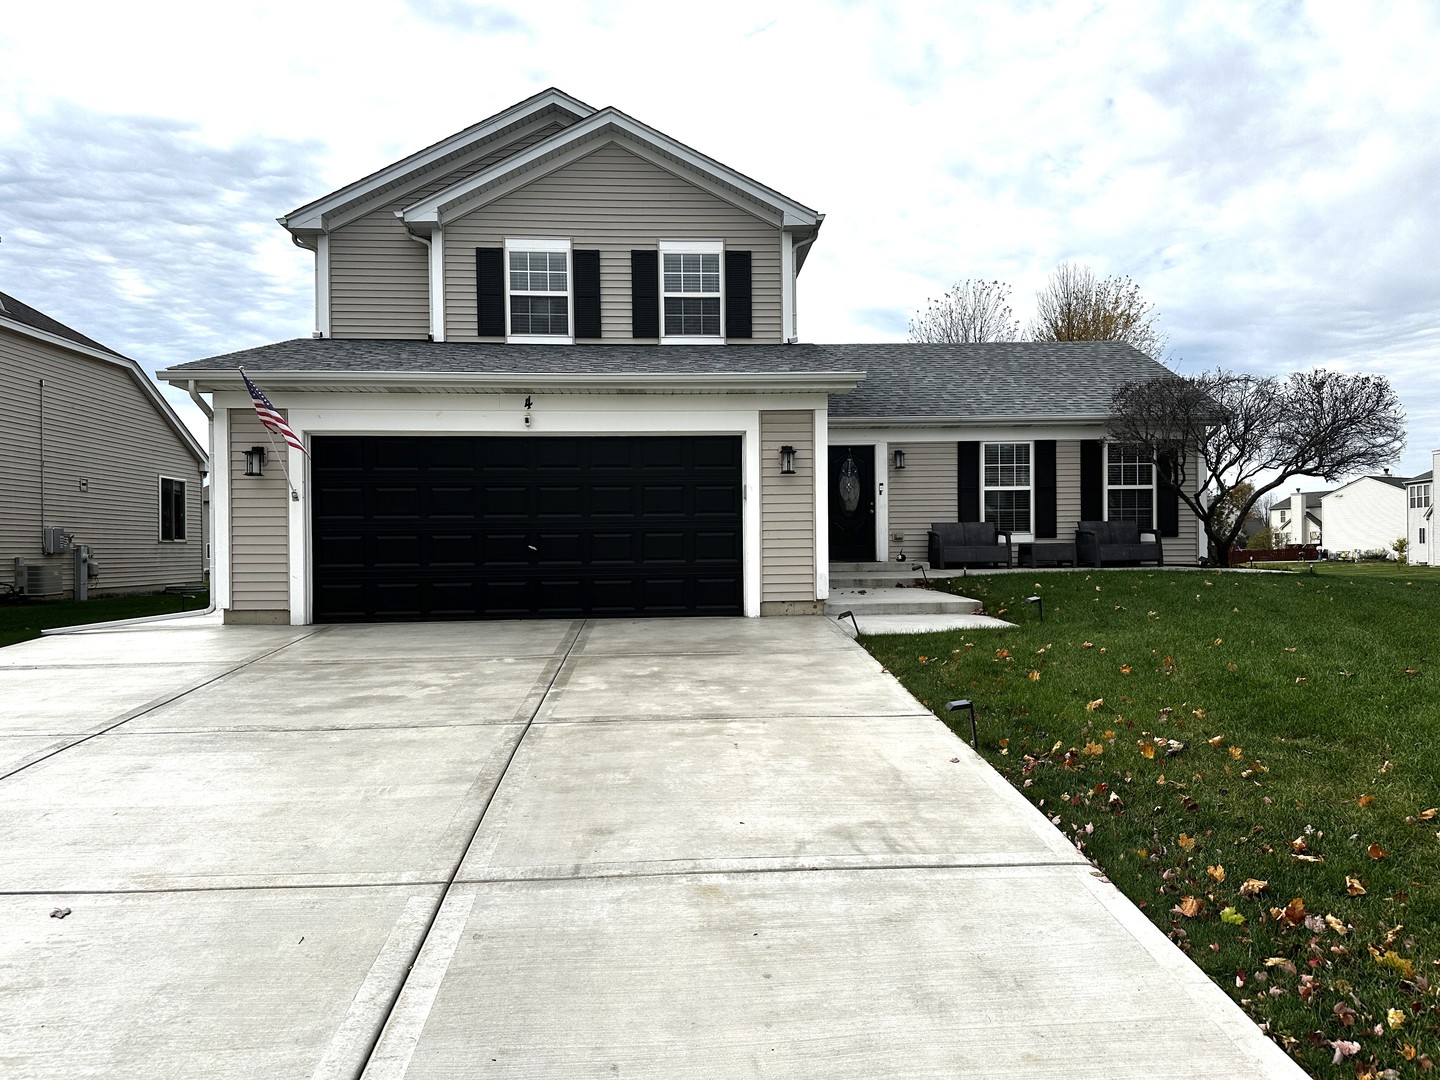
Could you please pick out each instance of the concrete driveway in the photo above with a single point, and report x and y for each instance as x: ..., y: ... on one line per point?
x: 718, y: 848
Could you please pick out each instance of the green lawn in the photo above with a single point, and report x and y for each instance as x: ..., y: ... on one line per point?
x: 1254, y: 759
x: 23, y: 620
x: 1386, y: 570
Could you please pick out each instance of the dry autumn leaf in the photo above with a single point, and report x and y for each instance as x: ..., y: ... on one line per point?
x: 1034, y: 676
x: 1093, y: 705
x: 1353, y: 886
x: 1299, y: 845
x: 1236, y: 753
x: 1092, y: 749
x: 1375, y: 851
x: 1216, y: 740
x: 1126, y: 669
x: 1336, y: 925
x: 1189, y: 906
x: 1395, y: 1018
x: 1294, y: 912
x: 1216, y: 872
x: 1366, y: 800
x: 1147, y: 749
x: 1199, y: 714
x: 1253, y: 887
x: 1087, y: 644
x: 1428, y: 815
x: 1186, y: 842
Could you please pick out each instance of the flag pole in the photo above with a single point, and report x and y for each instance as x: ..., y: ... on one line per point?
x: 270, y: 434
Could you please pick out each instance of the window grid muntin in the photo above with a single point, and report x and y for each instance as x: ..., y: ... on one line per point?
x: 539, y: 272
x: 1419, y: 496
x: 692, y: 316
x: 1005, y: 478
x: 1008, y: 509
x: 532, y: 314
x: 690, y: 288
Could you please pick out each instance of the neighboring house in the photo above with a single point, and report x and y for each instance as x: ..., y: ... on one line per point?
x: 1365, y: 514
x: 1420, y: 546
x: 554, y: 373
x: 1297, y: 520
x: 90, y: 449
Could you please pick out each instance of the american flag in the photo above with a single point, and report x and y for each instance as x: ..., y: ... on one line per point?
x: 269, y: 416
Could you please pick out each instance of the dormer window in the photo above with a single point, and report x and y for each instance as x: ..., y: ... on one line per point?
x: 691, y: 292
x: 539, y: 293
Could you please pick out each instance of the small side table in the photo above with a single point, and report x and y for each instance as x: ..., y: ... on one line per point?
x: 1047, y: 554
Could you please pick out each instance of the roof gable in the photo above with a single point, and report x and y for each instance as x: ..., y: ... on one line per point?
x: 15, y: 311
x: 478, y: 140
x: 609, y: 125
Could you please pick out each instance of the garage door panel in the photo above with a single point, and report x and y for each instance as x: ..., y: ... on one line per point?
x: 633, y: 525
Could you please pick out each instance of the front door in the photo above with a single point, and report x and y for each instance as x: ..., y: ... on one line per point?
x: 852, y: 504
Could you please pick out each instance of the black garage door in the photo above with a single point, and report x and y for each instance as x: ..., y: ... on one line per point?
x: 465, y: 527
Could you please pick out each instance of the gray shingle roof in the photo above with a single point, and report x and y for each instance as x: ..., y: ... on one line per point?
x: 1030, y: 380
x: 10, y: 308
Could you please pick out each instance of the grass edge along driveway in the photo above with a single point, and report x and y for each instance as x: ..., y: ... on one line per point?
x: 1252, y: 759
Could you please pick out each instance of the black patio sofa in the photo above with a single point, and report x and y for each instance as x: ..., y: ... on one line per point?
x: 968, y: 543
x: 1101, y: 542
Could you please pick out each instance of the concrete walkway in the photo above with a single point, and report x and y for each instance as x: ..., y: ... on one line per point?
x: 718, y: 848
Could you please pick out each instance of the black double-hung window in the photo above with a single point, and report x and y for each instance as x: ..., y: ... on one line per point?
x: 1130, y: 485
x: 172, y: 509
x: 1007, y: 486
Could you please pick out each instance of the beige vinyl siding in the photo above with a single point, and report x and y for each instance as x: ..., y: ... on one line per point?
x: 259, y: 522
x: 921, y: 493
x: 1067, y: 488
x: 612, y: 201
x: 787, y: 508
x: 379, y: 276
x: 103, y: 429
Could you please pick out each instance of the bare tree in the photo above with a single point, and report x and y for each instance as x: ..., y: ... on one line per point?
x: 1074, y: 305
x: 1212, y: 433
x: 970, y: 311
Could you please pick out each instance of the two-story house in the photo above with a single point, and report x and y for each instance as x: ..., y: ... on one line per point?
x: 555, y: 371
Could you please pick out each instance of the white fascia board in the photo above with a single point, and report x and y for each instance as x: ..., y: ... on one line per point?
x: 583, y: 131
x: 135, y: 371
x: 817, y: 382
x: 964, y: 421
x: 312, y: 215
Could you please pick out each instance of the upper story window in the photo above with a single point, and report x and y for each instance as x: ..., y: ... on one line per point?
x: 1130, y: 485
x: 691, y: 291
x: 1419, y: 496
x: 172, y: 509
x: 539, y: 290
x: 1007, y: 485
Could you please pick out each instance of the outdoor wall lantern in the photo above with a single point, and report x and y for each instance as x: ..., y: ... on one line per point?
x: 966, y: 703
x: 255, y: 461
x: 899, y: 459
x: 787, y: 460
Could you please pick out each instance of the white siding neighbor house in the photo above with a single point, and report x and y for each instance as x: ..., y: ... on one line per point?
x: 1366, y: 514
x: 93, y: 457
x: 1420, y: 547
x: 556, y: 371
x: 1298, y: 519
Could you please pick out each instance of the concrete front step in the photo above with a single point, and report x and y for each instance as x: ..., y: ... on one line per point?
x: 899, y: 602
x: 875, y: 567
x: 887, y: 581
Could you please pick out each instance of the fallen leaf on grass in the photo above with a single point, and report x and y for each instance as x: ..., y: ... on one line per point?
x: 1424, y: 815
x: 1344, y: 1013
x: 1293, y: 912
x: 1232, y: 666
x: 1126, y: 669
x: 1216, y: 740
x: 1147, y: 749
x: 1375, y: 851
x: 1411, y: 671
x: 1087, y: 644
x: 1365, y: 800
x: 1336, y: 925
x: 1344, y: 1048
x: 1299, y: 845
x: 1301, y: 680
x: 1353, y: 886
x: 1216, y: 872
x: 1093, y: 705
x: 1186, y: 842
x: 1253, y: 887
x: 1189, y: 906
x: 1092, y: 749
x: 1236, y: 753
x: 1395, y: 1018
x: 1289, y: 649
x: 1394, y: 961
x: 1002, y: 654
x: 1231, y: 916
x: 1199, y: 714
x: 1034, y: 676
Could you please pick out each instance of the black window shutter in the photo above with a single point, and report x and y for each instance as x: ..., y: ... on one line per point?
x: 490, y: 292
x: 645, y: 293
x: 1167, y: 497
x: 1092, y: 480
x: 587, y: 293
x: 1045, y: 498
x: 967, y: 475
x: 737, y: 294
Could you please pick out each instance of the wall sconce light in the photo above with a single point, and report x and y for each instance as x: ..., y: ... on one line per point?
x: 966, y: 703
x: 787, y: 460
x: 255, y: 461
x: 899, y: 458
x: 1039, y: 603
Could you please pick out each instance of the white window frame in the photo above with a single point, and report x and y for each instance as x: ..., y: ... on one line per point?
x: 1154, y: 526
x: 160, y: 482
x: 692, y: 247
x: 527, y: 244
x: 1019, y: 535
x: 1419, y: 496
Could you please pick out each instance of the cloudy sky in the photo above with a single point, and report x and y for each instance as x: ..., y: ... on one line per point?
x: 1268, y: 172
